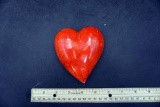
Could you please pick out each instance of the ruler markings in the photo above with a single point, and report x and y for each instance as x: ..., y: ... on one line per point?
x: 95, y: 95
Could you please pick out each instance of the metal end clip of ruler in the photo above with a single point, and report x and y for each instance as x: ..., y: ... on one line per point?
x: 95, y: 95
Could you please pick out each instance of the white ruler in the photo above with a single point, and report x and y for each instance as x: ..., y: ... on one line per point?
x: 95, y: 95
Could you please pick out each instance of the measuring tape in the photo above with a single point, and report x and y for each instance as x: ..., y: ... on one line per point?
x: 95, y: 95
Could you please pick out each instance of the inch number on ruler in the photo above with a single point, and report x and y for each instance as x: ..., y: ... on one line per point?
x: 95, y: 95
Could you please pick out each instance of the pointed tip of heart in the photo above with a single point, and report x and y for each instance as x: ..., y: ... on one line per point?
x: 82, y: 80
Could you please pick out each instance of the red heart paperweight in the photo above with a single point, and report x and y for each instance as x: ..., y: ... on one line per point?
x: 79, y: 51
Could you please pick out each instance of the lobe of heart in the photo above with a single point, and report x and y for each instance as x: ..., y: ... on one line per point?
x: 79, y: 51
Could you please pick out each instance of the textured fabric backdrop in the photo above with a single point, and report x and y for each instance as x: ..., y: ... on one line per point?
x: 131, y: 57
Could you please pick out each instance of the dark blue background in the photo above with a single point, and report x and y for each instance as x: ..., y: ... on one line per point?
x: 131, y: 57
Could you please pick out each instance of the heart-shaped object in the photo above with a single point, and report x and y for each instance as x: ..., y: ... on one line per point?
x: 79, y: 51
